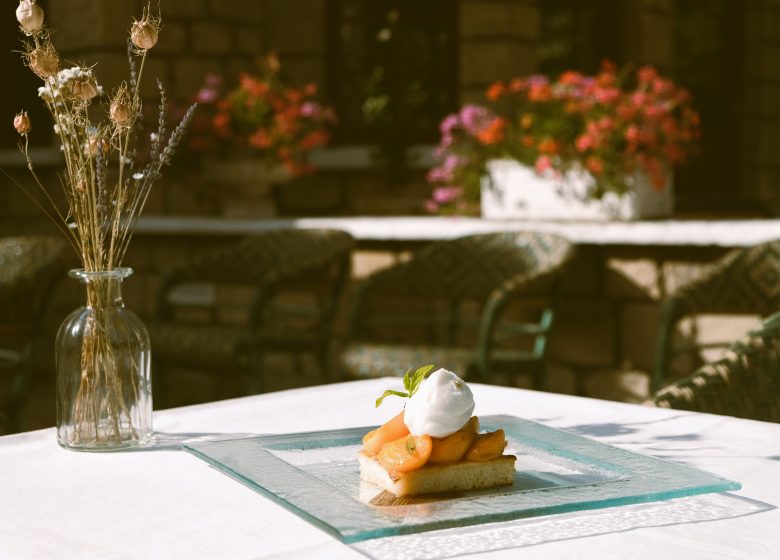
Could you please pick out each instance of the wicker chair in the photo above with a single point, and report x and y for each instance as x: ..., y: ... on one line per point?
x: 744, y: 281
x: 416, y: 312
x: 745, y: 383
x: 309, y: 266
x: 29, y: 266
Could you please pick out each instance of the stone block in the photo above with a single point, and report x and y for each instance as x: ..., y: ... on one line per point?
x: 485, y: 62
x: 632, y: 279
x: 770, y: 26
x: 235, y: 66
x: 309, y: 35
x: 766, y: 185
x: 769, y: 143
x: 157, y: 69
x: 188, y: 74
x: 768, y: 100
x: 248, y: 40
x: 623, y: 385
x: 657, y: 5
x: 770, y: 62
x: 110, y: 68
x: 638, y: 332
x: 305, y: 70
x: 472, y: 94
x: 173, y: 39
x: 243, y: 11
x: 89, y: 24
x: 677, y: 274
x: 723, y: 329
x: 583, y: 276
x: 210, y: 38
x: 584, y: 334
x: 498, y: 18
x: 657, y: 33
x: 171, y: 9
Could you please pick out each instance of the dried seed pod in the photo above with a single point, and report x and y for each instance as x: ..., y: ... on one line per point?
x: 95, y: 143
x: 22, y: 123
x: 121, y: 108
x: 43, y: 60
x: 30, y: 16
x: 85, y: 88
x: 145, y: 32
x: 120, y: 113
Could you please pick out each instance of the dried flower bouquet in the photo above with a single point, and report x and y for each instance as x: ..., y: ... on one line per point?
x: 105, y: 187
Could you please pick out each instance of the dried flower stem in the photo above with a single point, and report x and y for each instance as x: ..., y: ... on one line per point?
x: 101, y: 215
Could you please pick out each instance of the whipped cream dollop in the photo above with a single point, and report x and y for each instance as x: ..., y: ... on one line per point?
x: 440, y: 407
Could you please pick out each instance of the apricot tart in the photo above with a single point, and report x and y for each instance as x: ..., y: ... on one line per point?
x: 409, y: 463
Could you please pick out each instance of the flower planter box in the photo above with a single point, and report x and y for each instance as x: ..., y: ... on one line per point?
x: 515, y: 191
x: 245, y: 185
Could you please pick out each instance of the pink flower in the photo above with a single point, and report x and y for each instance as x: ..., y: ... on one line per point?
x: 310, y: 109
x: 606, y: 96
x: 445, y: 195
x: 584, y: 142
x: 647, y: 74
x: 632, y: 134
x: 639, y: 99
x: 543, y: 163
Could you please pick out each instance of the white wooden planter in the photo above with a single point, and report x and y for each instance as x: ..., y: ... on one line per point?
x: 515, y: 191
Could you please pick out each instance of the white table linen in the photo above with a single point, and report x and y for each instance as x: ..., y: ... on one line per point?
x: 169, y: 504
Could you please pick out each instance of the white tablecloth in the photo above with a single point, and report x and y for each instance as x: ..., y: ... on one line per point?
x: 170, y: 504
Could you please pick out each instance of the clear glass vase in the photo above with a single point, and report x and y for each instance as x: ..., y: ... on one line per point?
x: 104, y: 389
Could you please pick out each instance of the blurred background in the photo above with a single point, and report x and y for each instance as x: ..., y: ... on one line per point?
x: 391, y: 70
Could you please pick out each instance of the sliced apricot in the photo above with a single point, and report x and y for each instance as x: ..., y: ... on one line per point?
x: 453, y: 447
x: 487, y: 446
x: 387, y: 432
x: 405, y: 454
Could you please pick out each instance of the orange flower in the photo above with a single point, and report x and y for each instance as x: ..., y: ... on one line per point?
x: 495, y: 91
x: 594, y: 165
x: 260, y: 139
x: 492, y: 133
x: 526, y: 120
x: 539, y: 92
x: 548, y: 146
x: 527, y: 140
x: 570, y: 78
x: 313, y: 139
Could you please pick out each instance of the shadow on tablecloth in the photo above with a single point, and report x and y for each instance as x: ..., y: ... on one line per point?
x: 528, y: 532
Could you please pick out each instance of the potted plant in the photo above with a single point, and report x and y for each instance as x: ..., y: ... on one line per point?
x: 257, y: 134
x: 579, y: 146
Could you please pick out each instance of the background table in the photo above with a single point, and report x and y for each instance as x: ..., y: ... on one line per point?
x: 166, y: 503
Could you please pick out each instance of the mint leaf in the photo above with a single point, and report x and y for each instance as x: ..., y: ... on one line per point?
x: 411, y: 384
x: 418, y: 377
x: 387, y: 393
x: 408, y: 380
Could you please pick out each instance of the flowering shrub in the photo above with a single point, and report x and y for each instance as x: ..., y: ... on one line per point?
x: 265, y: 115
x: 612, y: 125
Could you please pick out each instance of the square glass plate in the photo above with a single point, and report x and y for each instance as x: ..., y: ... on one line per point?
x: 316, y: 476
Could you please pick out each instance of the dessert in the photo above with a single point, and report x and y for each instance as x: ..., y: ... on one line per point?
x: 434, y: 444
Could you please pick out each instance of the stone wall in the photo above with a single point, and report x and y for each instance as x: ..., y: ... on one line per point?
x: 761, y: 111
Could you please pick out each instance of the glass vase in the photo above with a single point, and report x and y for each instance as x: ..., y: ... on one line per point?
x: 104, y: 390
